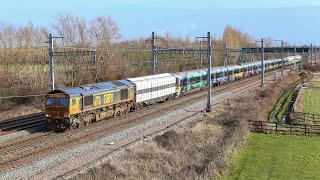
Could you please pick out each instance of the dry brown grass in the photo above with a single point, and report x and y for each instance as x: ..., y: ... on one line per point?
x: 15, y: 107
x: 299, y: 101
x: 19, y: 110
x: 313, y: 68
x: 200, y: 151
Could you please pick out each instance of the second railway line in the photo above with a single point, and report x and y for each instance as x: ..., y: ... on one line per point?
x: 124, y: 122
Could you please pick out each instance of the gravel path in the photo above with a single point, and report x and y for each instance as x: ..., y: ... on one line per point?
x: 65, y: 161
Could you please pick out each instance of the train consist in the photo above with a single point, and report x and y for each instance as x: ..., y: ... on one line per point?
x: 72, y: 107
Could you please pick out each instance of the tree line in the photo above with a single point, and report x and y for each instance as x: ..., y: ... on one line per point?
x: 24, y: 58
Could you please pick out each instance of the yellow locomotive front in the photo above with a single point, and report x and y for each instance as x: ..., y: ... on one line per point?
x: 57, y: 111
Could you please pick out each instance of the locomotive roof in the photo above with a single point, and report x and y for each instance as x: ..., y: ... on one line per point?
x: 93, y: 88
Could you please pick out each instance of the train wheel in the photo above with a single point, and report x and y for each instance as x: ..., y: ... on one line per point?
x: 118, y: 111
x: 76, y: 126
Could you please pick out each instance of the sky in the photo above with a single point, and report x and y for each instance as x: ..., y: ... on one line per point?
x: 294, y: 21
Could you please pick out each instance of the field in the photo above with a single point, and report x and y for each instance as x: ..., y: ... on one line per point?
x: 277, y: 157
x: 311, y: 103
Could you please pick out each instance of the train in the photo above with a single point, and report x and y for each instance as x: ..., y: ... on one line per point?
x: 72, y: 107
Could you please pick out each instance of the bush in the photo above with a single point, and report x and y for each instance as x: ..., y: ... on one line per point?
x: 313, y: 68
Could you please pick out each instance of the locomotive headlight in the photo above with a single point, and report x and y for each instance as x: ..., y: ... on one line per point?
x: 47, y: 115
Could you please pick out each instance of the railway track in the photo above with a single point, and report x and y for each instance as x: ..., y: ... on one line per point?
x: 20, y: 123
x: 37, y: 119
x: 28, y: 149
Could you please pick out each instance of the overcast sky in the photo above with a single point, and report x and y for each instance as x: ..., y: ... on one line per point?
x: 295, y: 21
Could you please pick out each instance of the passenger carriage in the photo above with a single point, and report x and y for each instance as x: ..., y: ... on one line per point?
x: 235, y: 72
x: 251, y: 68
x: 248, y: 69
x: 268, y: 65
x: 190, y: 80
x: 219, y: 75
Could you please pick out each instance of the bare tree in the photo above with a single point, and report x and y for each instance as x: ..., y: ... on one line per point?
x: 104, y: 31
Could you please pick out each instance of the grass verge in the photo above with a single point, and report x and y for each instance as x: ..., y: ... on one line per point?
x: 274, y: 156
x: 311, y: 101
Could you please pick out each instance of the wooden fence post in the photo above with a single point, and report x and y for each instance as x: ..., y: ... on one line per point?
x: 276, y: 128
x: 305, y: 129
x: 305, y: 118
x: 261, y: 126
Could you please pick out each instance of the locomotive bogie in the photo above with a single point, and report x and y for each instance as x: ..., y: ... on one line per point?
x: 58, y: 124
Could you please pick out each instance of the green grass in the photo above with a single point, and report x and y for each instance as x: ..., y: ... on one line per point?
x: 277, y: 157
x: 311, y: 101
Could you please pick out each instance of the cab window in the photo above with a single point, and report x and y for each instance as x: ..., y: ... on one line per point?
x: 50, y: 101
x: 63, y: 102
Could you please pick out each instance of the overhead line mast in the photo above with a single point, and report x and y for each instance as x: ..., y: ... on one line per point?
x: 65, y: 54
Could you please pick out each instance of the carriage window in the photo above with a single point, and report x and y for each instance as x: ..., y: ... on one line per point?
x: 74, y: 102
x: 177, y: 82
x: 50, y: 101
x: 204, y: 77
x: 124, y: 94
x: 199, y: 79
x: 63, y: 101
x: 185, y: 82
x: 88, y: 100
x: 192, y: 80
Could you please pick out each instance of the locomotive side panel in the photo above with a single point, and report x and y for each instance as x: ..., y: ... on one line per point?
x: 75, y: 105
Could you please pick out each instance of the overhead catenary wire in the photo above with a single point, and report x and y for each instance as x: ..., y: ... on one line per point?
x: 22, y: 96
x: 106, y: 63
